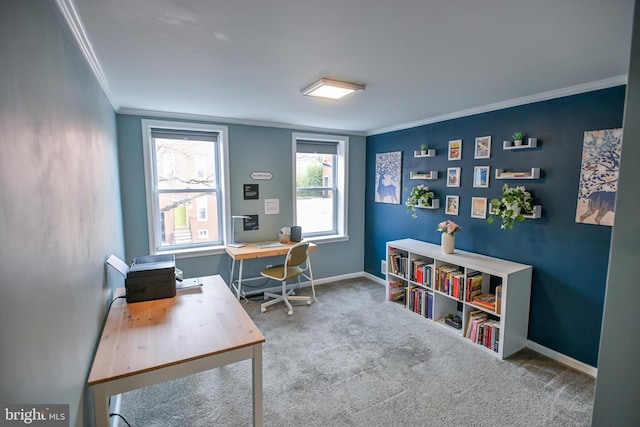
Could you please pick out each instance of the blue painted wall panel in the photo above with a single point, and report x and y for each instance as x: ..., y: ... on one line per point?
x: 569, y: 259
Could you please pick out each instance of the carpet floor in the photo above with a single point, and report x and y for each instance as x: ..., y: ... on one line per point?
x: 351, y: 359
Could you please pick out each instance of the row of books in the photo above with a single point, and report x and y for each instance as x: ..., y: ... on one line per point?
x: 419, y: 301
x: 489, y: 301
x: 421, y: 272
x: 483, y: 330
x: 396, y: 290
x: 398, y: 264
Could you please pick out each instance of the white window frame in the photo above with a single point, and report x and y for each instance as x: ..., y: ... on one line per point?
x: 342, y: 184
x: 153, y: 211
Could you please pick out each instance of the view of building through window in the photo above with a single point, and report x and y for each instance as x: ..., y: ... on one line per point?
x: 187, y: 191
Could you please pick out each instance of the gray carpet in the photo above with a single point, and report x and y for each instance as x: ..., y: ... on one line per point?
x: 353, y: 360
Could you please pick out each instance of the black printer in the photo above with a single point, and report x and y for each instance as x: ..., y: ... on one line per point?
x: 151, y: 277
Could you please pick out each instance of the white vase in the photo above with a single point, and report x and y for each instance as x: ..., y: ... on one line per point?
x: 447, y: 243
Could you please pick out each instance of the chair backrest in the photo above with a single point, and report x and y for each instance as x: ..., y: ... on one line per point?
x: 297, y: 254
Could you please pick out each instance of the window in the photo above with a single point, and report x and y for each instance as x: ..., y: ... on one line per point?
x: 186, y: 176
x: 320, y: 172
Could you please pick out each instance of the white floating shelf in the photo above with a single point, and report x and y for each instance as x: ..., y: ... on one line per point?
x: 431, y: 152
x: 537, y: 212
x: 435, y: 204
x: 534, y: 173
x: 424, y: 175
x: 530, y: 143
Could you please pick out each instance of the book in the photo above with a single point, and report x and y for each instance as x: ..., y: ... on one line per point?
x: 396, y: 290
x: 485, y: 300
x: 498, y: 298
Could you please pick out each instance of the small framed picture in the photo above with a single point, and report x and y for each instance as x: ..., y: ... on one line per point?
x: 481, y: 176
x: 483, y: 147
x: 453, y: 177
x: 455, y: 150
x: 479, y: 207
x: 452, y: 205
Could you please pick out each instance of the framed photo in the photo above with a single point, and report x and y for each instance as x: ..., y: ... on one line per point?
x: 483, y: 147
x: 453, y: 177
x: 452, y: 205
x: 479, y: 207
x: 481, y: 176
x: 455, y: 150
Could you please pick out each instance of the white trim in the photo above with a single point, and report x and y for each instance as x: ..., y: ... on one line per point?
x: 72, y: 18
x: 565, y: 360
x: 229, y: 120
x: 342, y: 182
x: 153, y: 225
x: 545, y: 96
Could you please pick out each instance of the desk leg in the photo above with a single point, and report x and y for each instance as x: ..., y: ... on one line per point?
x: 257, y: 386
x: 240, y: 279
x: 100, y: 406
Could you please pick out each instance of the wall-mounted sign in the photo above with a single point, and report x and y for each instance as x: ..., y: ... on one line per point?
x: 251, y: 223
x: 251, y: 192
x: 261, y: 175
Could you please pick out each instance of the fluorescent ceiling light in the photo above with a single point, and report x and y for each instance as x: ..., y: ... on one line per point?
x: 331, y: 89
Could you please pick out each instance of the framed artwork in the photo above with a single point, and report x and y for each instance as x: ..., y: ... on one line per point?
x: 455, y: 150
x: 453, y: 177
x: 452, y: 204
x: 479, y: 207
x: 388, y: 176
x: 483, y: 147
x: 599, y: 176
x: 481, y: 176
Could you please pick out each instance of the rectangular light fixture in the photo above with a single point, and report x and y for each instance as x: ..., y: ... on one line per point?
x: 331, y: 89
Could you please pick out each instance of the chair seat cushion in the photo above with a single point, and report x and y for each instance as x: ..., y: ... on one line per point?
x: 277, y: 272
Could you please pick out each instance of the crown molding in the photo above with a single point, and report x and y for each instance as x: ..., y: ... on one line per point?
x: 229, y: 120
x: 544, y: 96
x: 72, y: 18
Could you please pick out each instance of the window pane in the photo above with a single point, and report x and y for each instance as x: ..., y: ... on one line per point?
x: 182, y: 221
x: 315, y: 192
x: 315, y: 209
x: 185, y: 164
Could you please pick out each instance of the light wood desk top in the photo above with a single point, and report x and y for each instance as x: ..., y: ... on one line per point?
x: 251, y: 250
x: 149, y: 335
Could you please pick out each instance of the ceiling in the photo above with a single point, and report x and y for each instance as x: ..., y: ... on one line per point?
x: 421, y: 60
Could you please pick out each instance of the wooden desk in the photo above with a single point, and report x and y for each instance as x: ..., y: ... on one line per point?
x: 149, y: 342
x: 251, y: 250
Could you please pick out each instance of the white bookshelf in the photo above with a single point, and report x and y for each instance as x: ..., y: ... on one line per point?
x: 511, y: 317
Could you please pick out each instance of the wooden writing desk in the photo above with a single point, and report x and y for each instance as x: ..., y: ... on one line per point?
x: 251, y: 250
x: 149, y: 342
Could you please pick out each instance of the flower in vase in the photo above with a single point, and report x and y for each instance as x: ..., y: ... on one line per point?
x: 448, y: 226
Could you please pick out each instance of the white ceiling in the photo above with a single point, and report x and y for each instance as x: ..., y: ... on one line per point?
x: 422, y: 60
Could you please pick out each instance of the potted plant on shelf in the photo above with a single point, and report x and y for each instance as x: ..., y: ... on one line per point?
x: 420, y: 196
x: 510, y: 208
x: 517, y: 138
x: 423, y: 149
x: 447, y: 240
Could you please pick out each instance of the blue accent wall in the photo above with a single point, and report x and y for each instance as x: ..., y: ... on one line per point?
x: 569, y: 259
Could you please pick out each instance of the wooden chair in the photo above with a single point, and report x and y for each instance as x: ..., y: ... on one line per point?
x: 296, y: 264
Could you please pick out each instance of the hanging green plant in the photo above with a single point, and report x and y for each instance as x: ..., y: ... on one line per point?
x: 420, y: 196
x: 511, y: 207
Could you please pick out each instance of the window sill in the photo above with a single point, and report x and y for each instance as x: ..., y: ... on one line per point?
x: 194, y: 252
x: 327, y: 239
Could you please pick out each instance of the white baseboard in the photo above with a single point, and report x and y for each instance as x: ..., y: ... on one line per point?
x: 294, y: 285
x: 565, y: 360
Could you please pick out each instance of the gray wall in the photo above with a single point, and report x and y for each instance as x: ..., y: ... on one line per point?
x: 251, y: 148
x: 60, y: 214
x: 618, y: 383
